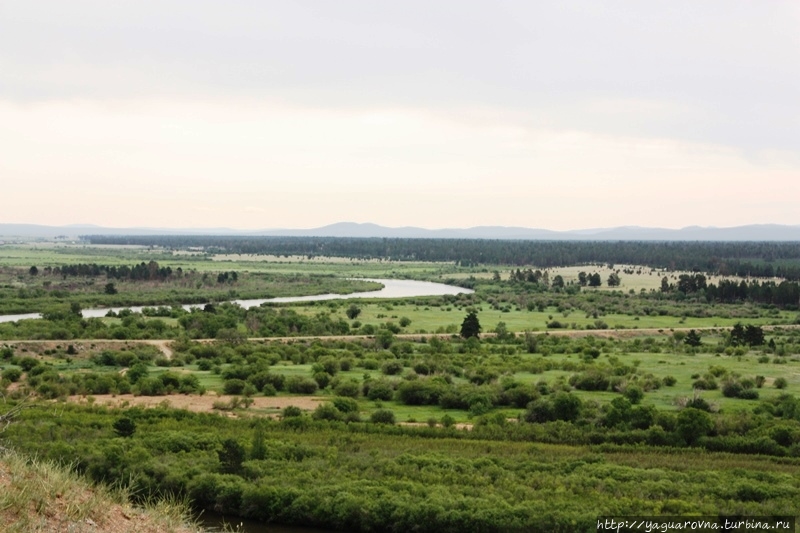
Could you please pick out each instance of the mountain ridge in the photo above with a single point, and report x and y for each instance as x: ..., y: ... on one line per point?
x: 751, y: 232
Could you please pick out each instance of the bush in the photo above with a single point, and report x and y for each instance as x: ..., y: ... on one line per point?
x: 345, y: 405
x: 669, y: 381
x: 301, y: 385
x: 151, y: 387
x: 326, y: 411
x: 124, y: 427
x: 379, y: 390
x: 322, y: 379
x: 382, y: 416
x: 392, y: 368
x: 12, y: 374
x: 634, y: 394
x: 291, y: 411
x: 27, y: 363
x: 349, y: 388
x: 780, y: 383
x: 233, y: 386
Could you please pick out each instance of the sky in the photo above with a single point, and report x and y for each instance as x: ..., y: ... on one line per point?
x: 255, y: 114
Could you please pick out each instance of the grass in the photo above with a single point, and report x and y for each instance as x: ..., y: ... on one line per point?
x: 40, y: 496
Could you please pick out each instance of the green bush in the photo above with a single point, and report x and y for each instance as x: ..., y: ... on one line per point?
x: 345, y: 404
x: 12, y: 374
x: 301, y: 385
x: 382, y: 416
x: 291, y: 411
x: 326, y: 411
x: 233, y: 386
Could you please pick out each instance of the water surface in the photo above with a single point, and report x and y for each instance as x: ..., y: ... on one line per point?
x: 392, y: 288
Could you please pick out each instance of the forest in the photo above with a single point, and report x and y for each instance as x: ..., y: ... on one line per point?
x: 760, y: 259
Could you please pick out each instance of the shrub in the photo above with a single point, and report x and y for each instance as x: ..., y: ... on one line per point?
x: 12, y: 374
x: 634, y: 394
x: 349, y: 388
x: 345, y: 405
x: 780, y: 383
x: 151, y: 387
x: 291, y: 411
x: 124, y: 427
x: 669, y: 381
x: 233, y: 386
x: 392, y: 368
x: 699, y: 403
x: 591, y: 380
x: 326, y: 411
x: 301, y: 385
x: 382, y: 416
x: 322, y: 379
x: 27, y: 363
x: 379, y: 390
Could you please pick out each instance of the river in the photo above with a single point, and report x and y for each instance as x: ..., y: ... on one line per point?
x: 392, y: 288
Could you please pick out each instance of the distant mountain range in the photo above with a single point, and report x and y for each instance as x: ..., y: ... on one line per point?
x: 757, y: 232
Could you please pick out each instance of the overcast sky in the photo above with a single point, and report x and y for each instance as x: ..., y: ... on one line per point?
x: 295, y: 114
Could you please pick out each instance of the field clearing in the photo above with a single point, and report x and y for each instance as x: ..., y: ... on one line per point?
x: 448, y: 318
x: 199, y: 404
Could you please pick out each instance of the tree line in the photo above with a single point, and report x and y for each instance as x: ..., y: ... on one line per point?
x: 150, y: 271
x: 758, y: 259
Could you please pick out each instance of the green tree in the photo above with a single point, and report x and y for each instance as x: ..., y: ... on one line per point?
x: 692, y: 424
x: 594, y: 280
x: 231, y: 456
x: 110, y: 289
x: 259, y: 448
x: 33, y: 270
x: 353, y: 311
x: 613, y: 280
x: 692, y: 338
x: 124, y: 427
x: 471, y: 326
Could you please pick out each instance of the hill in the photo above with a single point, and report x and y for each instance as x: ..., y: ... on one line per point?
x: 38, y: 496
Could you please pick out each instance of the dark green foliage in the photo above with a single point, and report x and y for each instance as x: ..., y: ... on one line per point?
x: 301, y: 385
x: 291, y: 411
x: 231, y: 456
x: 378, y: 390
x: 378, y: 476
x: 780, y: 383
x: 349, y: 388
x: 382, y: 416
x: 693, y: 424
x: 27, y: 363
x: 345, y: 405
x: 353, y: 311
x: 258, y: 449
x: 12, y: 374
x: 233, y: 386
x: 634, y: 394
x: 326, y: 411
x: 124, y: 427
x: 392, y: 368
x: 471, y: 326
x: 692, y: 338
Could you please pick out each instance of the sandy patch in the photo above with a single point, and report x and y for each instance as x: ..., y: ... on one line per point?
x: 196, y: 403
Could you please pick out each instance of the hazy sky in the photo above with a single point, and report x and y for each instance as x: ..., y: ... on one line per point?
x: 265, y: 114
